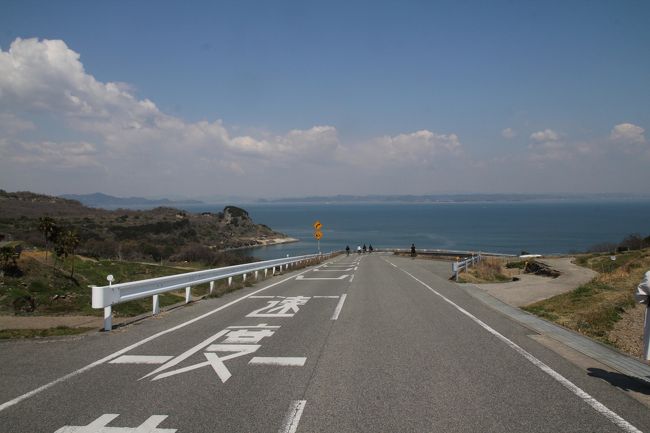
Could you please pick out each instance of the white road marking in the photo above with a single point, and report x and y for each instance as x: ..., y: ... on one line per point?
x: 183, y: 356
x: 595, y: 404
x: 286, y: 308
x: 141, y: 359
x: 284, y: 361
x: 326, y: 297
x: 337, y: 311
x: 291, y: 420
x: 356, y: 268
x: 99, y: 425
x: 332, y: 270
x: 260, y: 326
x: 114, y: 355
x: 351, y: 278
x: 300, y: 277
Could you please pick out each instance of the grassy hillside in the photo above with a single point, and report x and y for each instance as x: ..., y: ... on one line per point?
x: 595, y: 308
x: 161, y: 233
x: 41, y: 289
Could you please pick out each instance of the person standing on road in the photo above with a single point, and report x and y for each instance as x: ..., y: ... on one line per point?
x: 358, y: 249
x: 412, y: 250
x: 370, y: 248
x: 364, y: 248
x: 347, y: 249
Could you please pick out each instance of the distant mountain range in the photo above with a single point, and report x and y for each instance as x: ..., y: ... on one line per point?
x: 447, y: 198
x: 104, y: 201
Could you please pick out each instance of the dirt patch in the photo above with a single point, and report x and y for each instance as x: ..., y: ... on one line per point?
x: 627, y: 333
x: 44, y: 322
x: 532, y: 288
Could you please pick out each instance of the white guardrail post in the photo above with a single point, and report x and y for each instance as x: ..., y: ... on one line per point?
x: 107, y: 296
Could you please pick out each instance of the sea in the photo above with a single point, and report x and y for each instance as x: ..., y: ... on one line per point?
x: 537, y: 227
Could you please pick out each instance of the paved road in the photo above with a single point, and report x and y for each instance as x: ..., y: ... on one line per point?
x: 361, y: 344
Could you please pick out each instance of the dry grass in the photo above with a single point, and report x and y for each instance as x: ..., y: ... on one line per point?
x: 488, y: 270
x: 59, y: 331
x: 594, y: 309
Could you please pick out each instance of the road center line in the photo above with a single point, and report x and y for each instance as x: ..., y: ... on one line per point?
x: 595, y: 404
x: 114, y: 355
x: 290, y: 424
x: 337, y: 311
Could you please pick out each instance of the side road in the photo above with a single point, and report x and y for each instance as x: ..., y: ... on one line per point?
x: 533, y: 288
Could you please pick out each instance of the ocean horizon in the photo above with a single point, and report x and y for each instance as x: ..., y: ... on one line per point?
x: 538, y: 227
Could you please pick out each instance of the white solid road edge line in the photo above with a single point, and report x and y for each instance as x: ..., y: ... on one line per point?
x: 290, y: 424
x: 114, y: 355
x: 595, y: 404
x: 337, y: 311
x: 283, y: 361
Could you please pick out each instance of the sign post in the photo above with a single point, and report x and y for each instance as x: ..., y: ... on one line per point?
x: 317, y: 233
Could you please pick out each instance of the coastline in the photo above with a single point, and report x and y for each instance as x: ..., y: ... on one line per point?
x: 265, y: 242
x: 276, y: 241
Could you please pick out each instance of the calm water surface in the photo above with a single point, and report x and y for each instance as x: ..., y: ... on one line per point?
x: 536, y: 227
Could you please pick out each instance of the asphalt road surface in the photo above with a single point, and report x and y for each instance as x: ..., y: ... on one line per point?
x: 371, y: 343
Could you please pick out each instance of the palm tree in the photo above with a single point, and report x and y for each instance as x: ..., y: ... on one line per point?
x: 67, y: 243
x: 46, y: 226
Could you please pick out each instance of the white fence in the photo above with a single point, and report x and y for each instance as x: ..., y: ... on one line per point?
x: 458, y: 266
x: 107, y: 296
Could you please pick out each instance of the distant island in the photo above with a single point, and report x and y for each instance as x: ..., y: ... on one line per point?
x: 106, y: 201
x: 446, y: 198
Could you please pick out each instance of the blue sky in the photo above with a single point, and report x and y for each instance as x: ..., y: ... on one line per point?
x: 294, y: 98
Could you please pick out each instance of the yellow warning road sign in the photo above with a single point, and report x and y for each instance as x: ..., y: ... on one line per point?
x: 318, y: 235
x: 317, y: 225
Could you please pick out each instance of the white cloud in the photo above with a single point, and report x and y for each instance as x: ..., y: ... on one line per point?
x: 67, y: 155
x: 628, y: 133
x: 420, y: 148
x: 316, y: 143
x: 508, y: 133
x: 545, y: 136
x: 546, y: 145
x: 10, y: 124
x: 551, y: 151
x: 48, y: 77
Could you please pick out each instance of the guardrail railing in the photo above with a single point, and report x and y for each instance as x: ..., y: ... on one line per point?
x: 107, y: 296
x: 459, y: 265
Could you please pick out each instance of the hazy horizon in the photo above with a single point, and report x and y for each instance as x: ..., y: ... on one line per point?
x: 293, y: 100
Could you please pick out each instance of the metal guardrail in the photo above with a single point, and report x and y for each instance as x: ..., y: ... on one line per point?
x: 107, y: 296
x: 458, y: 266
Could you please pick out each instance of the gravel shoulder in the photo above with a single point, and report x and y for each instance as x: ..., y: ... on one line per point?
x: 45, y: 322
x: 533, y: 288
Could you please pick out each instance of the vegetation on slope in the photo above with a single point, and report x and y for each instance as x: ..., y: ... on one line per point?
x: 157, y: 234
x: 595, y: 308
